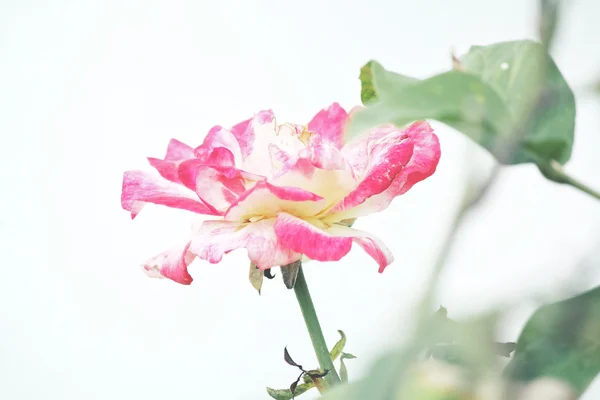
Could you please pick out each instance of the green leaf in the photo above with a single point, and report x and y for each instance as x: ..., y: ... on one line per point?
x: 510, y: 98
x: 286, y: 394
x: 455, y: 98
x: 339, y: 346
x: 535, y: 92
x: 561, y: 340
x: 343, y: 369
x: 367, y: 91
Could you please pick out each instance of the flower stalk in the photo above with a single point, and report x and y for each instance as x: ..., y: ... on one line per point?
x: 555, y: 172
x: 314, y: 329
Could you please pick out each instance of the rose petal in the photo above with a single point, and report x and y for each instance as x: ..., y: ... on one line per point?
x: 327, y: 243
x: 176, y: 152
x: 221, y: 157
x: 280, y: 159
x: 264, y: 132
x: 266, y: 200
x: 372, y: 245
x: 288, y: 137
x: 422, y: 164
x: 218, y: 187
x: 357, y: 151
x: 167, y: 169
x: 332, y: 184
x: 387, y: 156
x: 219, y: 138
x: 329, y: 125
x: 424, y: 161
x: 140, y: 188
x: 244, y: 131
x: 171, y: 264
x: 217, y: 238
x: 303, y: 237
x: 324, y: 156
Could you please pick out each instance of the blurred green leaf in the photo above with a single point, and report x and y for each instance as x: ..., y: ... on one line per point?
x: 510, y: 98
x: 549, y: 17
x: 505, y: 349
x: 343, y: 369
x: 380, y: 383
x: 451, y: 341
x: 394, y: 372
x: 538, y: 97
x: 561, y: 340
x: 286, y: 394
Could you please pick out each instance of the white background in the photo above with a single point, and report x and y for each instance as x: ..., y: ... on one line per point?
x: 89, y: 89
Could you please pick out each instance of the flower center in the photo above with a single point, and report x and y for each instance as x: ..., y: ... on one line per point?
x: 299, y: 132
x: 305, y: 135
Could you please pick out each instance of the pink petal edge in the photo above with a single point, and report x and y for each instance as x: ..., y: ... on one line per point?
x: 244, y: 131
x: 422, y: 164
x: 140, y: 187
x: 217, y: 238
x: 330, y: 244
x: 329, y: 125
x: 176, y: 152
x: 171, y: 264
x: 387, y: 157
x: 218, y: 187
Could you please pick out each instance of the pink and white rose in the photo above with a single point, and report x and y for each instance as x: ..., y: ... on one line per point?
x: 282, y: 191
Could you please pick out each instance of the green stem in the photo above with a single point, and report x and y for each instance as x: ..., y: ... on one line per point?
x: 555, y: 172
x: 578, y: 185
x: 314, y: 329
